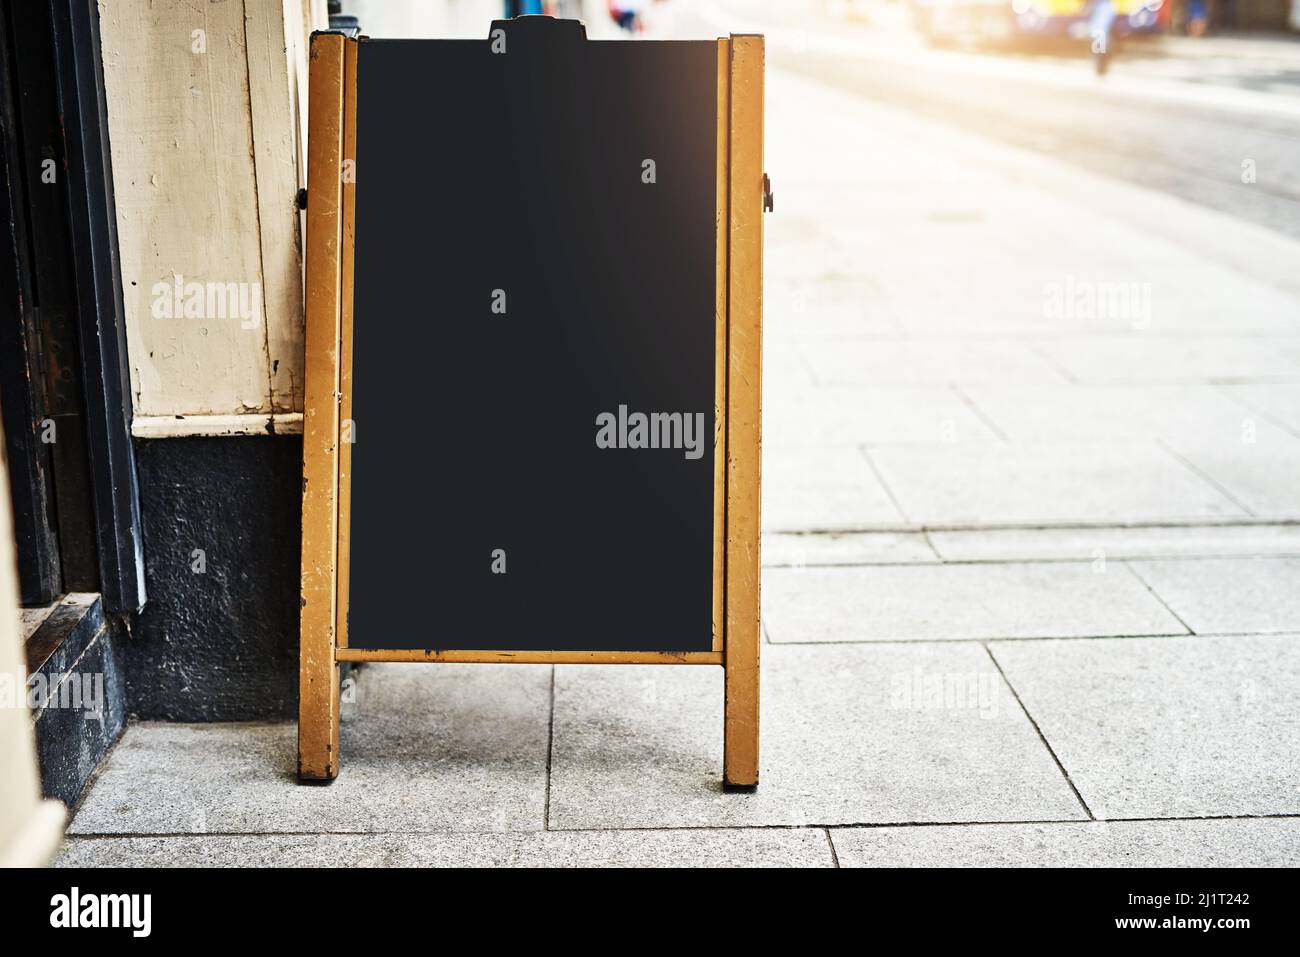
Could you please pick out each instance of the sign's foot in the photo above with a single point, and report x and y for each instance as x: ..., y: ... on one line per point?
x: 316, y: 772
x: 303, y: 780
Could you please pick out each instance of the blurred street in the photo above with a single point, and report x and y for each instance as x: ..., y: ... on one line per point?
x: 1176, y: 114
x: 1031, y: 504
x: 991, y: 302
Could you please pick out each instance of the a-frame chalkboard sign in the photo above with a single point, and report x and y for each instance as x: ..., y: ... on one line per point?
x: 531, y: 433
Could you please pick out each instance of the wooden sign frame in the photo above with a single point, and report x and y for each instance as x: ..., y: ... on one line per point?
x: 327, y: 457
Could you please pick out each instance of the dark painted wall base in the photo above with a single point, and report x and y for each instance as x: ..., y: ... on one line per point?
x: 76, y: 656
x: 218, y: 638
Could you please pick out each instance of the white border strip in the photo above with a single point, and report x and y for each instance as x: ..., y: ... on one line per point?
x: 177, y: 426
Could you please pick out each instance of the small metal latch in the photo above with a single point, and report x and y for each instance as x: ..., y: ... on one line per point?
x: 767, y: 194
x: 302, y: 198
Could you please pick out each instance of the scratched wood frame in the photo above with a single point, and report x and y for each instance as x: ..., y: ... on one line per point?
x: 318, y: 689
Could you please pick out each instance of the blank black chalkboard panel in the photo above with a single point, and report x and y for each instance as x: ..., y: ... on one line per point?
x: 517, y: 180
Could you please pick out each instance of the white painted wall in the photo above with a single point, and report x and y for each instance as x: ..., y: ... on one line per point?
x: 208, y: 135
x: 30, y: 828
x: 208, y: 125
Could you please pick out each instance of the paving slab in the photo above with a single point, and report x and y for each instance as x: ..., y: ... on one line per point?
x: 926, y: 362
x: 1163, y: 541
x: 1280, y: 402
x: 851, y: 734
x: 1257, y: 467
x: 784, y: 368
x: 429, y: 747
x: 829, y: 487
x: 1158, y: 358
x: 828, y: 308
x: 723, y: 847
x: 809, y: 253
x: 1180, y: 307
x: 796, y: 417
x: 1112, y: 413
x: 1037, y: 290
x: 1263, y: 842
x: 1168, y: 727
x: 1065, y: 483
x: 954, y: 602
x: 847, y: 548
x: 1229, y: 595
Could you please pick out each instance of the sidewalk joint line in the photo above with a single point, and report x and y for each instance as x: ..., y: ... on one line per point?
x: 1156, y: 595
x: 1249, y: 406
x: 866, y: 455
x: 1035, y: 347
x: 830, y: 843
x: 1042, y: 737
x: 1071, y: 821
x: 1043, y: 560
x: 979, y: 413
x: 550, y: 750
x: 929, y: 543
x: 841, y: 826
x: 806, y: 365
x: 1204, y: 476
x: 1200, y: 522
x: 906, y: 642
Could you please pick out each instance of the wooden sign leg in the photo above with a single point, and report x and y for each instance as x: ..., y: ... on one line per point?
x: 744, y: 422
x: 318, y: 690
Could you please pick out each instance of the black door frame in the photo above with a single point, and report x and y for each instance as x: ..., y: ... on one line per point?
x: 85, y: 230
x: 99, y: 296
x: 22, y: 395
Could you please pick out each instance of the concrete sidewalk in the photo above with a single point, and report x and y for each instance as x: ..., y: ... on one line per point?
x: 1032, y: 585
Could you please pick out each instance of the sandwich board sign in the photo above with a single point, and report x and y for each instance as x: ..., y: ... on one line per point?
x: 533, y: 324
